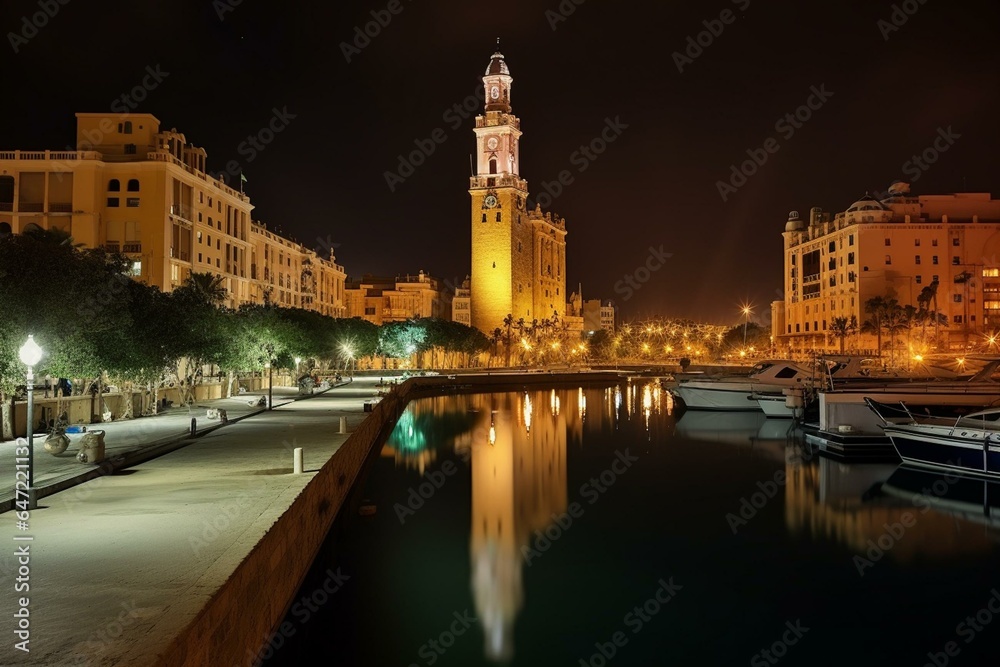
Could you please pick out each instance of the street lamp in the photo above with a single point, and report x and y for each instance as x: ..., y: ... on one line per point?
x: 349, y: 351
x: 30, y: 355
x: 270, y: 395
x: 746, y: 310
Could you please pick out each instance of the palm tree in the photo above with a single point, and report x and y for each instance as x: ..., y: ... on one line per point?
x: 876, y: 307
x: 206, y: 287
x: 508, y: 323
x: 842, y: 327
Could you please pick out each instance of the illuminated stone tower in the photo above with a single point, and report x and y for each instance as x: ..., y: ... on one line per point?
x: 518, y: 257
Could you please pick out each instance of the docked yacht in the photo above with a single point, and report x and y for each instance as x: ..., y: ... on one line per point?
x: 968, y: 444
x: 739, y: 393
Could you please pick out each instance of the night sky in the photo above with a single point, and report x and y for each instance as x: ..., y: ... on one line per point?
x: 322, y: 179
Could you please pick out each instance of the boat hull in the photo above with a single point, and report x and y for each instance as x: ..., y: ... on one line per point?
x: 731, y: 398
x: 776, y: 407
x: 946, y: 448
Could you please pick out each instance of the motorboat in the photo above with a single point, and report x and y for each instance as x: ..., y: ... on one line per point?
x: 737, y: 393
x: 970, y: 443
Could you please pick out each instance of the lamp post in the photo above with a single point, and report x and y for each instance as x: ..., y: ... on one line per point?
x: 30, y: 355
x: 746, y: 310
x: 267, y: 365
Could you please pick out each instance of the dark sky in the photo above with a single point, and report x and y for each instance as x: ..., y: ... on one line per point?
x: 323, y: 177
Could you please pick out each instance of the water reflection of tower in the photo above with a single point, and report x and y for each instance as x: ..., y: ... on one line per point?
x: 518, y: 483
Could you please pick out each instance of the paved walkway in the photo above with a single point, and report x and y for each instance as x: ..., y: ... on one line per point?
x: 131, y: 441
x: 121, y: 564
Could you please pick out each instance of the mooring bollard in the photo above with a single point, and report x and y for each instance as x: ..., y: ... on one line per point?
x: 297, y: 455
x: 343, y: 425
x: 194, y: 426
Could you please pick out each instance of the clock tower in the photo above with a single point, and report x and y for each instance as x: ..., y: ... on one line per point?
x: 502, y: 253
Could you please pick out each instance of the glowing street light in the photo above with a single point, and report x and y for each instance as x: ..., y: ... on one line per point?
x: 746, y: 309
x: 348, y: 350
x: 270, y: 395
x: 30, y: 354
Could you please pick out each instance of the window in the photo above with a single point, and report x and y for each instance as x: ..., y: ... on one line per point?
x: 199, y: 217
x: 934, y: 242
x: 955, y: 260
x: 888, y: 241
x: 797, y: 329
x: 807, y: 326
x: 137, y: 268
x: 133, y: 185
x: 833, y: 246
x: 210, y: 239
x: 850, y: 258
x: 920, y: 279
x: 127, y: 127
x: 499, y: 217
x: 850, y: 239
x: 199, y: 257
x: 218, y: 244
x: 484, y: 217
x: 132, y: 202
x: 934, y: 279
x: 888, y: 259
x: 958, y: 298
x: 114, y: 185
x: 493, y: 166
x: 954, y: 241
x: 916, y: 242
x: 934, y: 259
x: 369, y: 310
x: 112, y: 202
x: 218, y: 263
x: 917, y: 259
x: 130, y: 149
x: 201, y: 197
x: 199, y: 237
x: 957, y: 319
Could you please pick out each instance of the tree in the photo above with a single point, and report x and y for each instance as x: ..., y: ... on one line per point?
x: 205, y: 287
x: 842, y: 327
x: 876, y: 307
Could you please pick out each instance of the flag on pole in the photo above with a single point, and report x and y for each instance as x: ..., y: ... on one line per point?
x: 243, y: 179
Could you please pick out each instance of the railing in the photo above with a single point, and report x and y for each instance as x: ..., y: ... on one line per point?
x: 814, y: 278
x: 60, y: 208
x: 497, y: 181
x: 133, y: 247
x: 7, y: 206
x: 159, y: 156
x: 62, y: 156
x: 25, y: 207
x: 112, y: 247
x: 181, y: 211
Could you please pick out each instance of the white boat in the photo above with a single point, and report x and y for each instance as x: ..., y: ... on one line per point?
x: 968, y: 444
x: 737, y: 393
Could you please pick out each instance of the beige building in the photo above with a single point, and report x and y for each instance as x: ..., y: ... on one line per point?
x: 132, y: 188
x: 382, y: 300
x: 518, y: 256
x: 461, y: 304
x: 598, y: 315
x: 894, y: 248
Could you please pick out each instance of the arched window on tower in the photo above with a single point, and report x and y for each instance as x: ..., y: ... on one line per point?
x: 133, y: 185
x: 493, y: 166
x: 114, y: 185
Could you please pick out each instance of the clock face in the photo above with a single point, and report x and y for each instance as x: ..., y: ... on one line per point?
x: 490, y: 201
x: 492, y: 143
x: 495, y: 92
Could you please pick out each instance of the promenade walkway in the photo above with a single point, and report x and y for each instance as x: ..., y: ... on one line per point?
x: 121, y: 564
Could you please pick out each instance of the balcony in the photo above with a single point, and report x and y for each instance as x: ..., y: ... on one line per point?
x: 61, y: 156
x: 7, y: 207
x: 60, y: 208
x: 132, y: 247
x: 112, y: 247
x: 181, y: 212
x: 814, y: 278
x: 30, y: 207
x: 498, y: 181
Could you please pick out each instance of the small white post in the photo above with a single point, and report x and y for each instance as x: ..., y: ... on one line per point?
x: 343, y: 424
x: 297, y: 455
